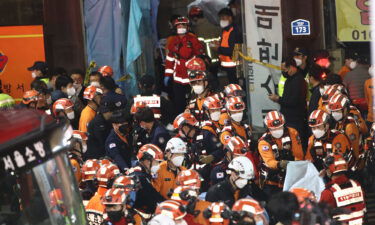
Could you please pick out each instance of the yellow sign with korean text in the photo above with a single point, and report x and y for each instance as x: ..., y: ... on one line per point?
x: 353, y: 20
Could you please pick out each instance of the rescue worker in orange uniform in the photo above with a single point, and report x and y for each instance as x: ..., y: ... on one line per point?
x: 212, y: 107
x: 338, y: 106
x: 327, y: 94
x: 173, y: 210
x: 79, y: 139
x: 93, y: 96
x: 247, y: 210
x: 88, y: 184
x: 278, y: 146
x: 231, y: 90
x: 191, y: 180
x: 342, y: 193
x: 181, y: 49
x: 63, y: 108
x: 198, y: 81
x: 174, y: 154
x: 229, y: 37
x: 325, y: 141
x: 218, y: 213
x: 95, y: 209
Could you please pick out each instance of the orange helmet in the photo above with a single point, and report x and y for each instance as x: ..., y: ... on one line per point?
x: 235, y: 104
x: 106, y: 71
x: 181, y: 20
x: 30, y: 96
x: 236, y: 146
x: 233, y: 90
x: 247, y: 205
x: 105, y: 161
x: 128, y: 183
x: 172, y: 209
x: 106, y: 174
x: 217, y: 212
x: 195, y: 11
x: 89, y: 169
x: 136, y: 106
x: 302, y: 194
x: 189, y: 178
x: 61, y: 104
x: 329, y: 92
x: 196, y: 69
x: 336, y: 163
x: 317, y: 118
x: 114, y: 196
x: 80, y: 135
x: 212, y: 102
x: 184, y: 119
x: 91, y: 91
x: 274, y: 119
x: 337, y: 102
x: 150, y: 151
x: 183, y: 194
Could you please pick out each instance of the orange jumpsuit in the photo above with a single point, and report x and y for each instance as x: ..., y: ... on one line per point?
x: 270, y: 148
x: 76, y: 169
x: 235, y: 129
x: 212, y: 126
x: 95, y: 209
x: 201, y: 206
x: 87, y: 115
x: 165, y: 180
x: 350, y: 129
x: 361, y: 123
x: 195, y: 107
x: 369, y: 96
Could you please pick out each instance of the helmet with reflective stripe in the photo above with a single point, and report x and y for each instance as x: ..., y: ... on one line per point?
x: 176, y: 145
x: 338, y: 102
x: 189, y: 178
x: 185, y: 119
x: 318, y: 117
x: 106, y: 174
x: 217, y: 212
x: 234, y: 104
x: 233, y: 90
x: 89, y: 169
x: 61, y: 105
x: 183, y: 194
x: 172, y: 209
x: 212, y: 102
x: 243, y: 167
x: 128, y: 183
x: 248, y: 205
x: 196, y: 68
x: 181, y: 20
x: 274, y: 119
x: 91, y: 91
x: 114, y: 196
x: 80, y: 135
x: 329, y: 92
x: 150, y: 151
x: 336, y: 163
x: 106, y: 71
x: 30, y: 96
x: 236, y: 146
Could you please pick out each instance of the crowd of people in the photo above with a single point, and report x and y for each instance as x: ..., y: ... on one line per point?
x: 193, y: 159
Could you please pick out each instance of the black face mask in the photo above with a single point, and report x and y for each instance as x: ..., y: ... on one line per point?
x: 115, y: 216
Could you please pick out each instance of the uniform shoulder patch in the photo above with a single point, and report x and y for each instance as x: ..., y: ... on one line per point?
x: 220, y: 175
x: 112, y: 145
x: 265, y: 148
x: 352, y: 137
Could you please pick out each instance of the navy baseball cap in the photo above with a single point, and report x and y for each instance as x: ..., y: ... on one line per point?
x: 111, y: 104
x: 300, y: 51
x: 38, y: 65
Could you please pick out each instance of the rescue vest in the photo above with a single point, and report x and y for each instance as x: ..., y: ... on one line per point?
x: 226, y: 61
x: 210, y: 126
x: 322, y: 147
x: 281, y: 85
x: 154, y: 102
x: 349, y: 199
x: 248, y: 132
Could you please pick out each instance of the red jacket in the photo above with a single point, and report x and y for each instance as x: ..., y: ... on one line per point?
x: 180, y: 50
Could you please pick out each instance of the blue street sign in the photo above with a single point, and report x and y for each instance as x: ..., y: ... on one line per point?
x: 300, y: 27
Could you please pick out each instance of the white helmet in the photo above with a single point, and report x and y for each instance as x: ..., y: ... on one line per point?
x: 176, y: 145
x: 243, y: 166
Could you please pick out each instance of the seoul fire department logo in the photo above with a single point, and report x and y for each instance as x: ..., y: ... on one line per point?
x: 3, y: 62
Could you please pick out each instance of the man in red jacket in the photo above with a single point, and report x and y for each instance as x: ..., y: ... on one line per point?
x: 181, y: 48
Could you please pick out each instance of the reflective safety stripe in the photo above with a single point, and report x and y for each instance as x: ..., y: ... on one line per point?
x: 228, y: 64
x: 170, y: 58
x: 171, y: 71
x: 353, y: 215
x: 181, y: 80
x: 348, y: 196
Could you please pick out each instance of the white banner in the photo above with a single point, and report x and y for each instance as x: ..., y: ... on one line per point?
x: 264, y: 42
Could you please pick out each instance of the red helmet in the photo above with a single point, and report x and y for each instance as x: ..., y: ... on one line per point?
x: 172, y: 209
x: 212, y: 102
x: 181, y: 20
x: 183, y: 194
x: 136, y: 106
x: 195, y: 11
x: 317, y: 118
x: 233, y: 90
x: 196, y: 68
x: 89, y: 169
x: 80, y: 135
x: 274, y: 119
x: 302, y: 194
x: 105, y: 161
x: 128, y: 183
x: 236, y: 146
x: 217, y: 212
x: 114, y: 196
x: 338, y: 102
x: 150, y: 151
x: 189, y: 178
x: 184, y: 119
x: 91, y: 91
x: 106, y: 174
x: 329, y: 92
x: 61, y: 104
x: 248, y: 205
x: 235, y: 104
x: 30, y: 96
x: 106, y: 71
x: 336, y: 163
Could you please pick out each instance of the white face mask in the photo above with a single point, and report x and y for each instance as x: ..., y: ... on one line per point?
x: 71, y: 91
x: 337, y: 115
x: 277, y: 133
x: 70, y: 115
x: 95, y: 84
x: 198, y: 89
x: 237, y: 116
x: 371, y: 71
x: 241, y: 183
x: 352, y: 65
x: 181, y: 30
x: 318, y: 133
x: 33, y: 75
x: 178, y: 160
x: 224, y: 23
x: 298, y: 61
x: 155, y: 169
x: 84, y: 148
x: 215, y: 116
